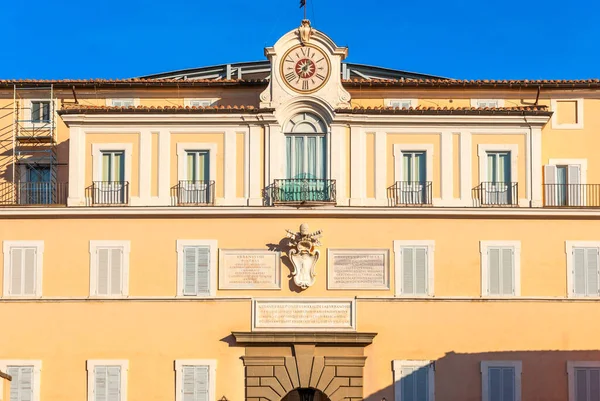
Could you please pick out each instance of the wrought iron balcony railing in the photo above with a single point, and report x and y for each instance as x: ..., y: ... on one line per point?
x: 34, y: 193
x: 496, y: 194
x: 193, y: 193
x: 301, y: 191
x: 572, y: 195
x: 410, y: 193
x: 108, y: 193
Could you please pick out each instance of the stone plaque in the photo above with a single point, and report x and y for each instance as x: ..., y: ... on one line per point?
x: 358, y: 269
x: 243, y: 269
x: 306, y: 314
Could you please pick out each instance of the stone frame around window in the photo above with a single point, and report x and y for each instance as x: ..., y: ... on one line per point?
x: 37, y: 373
x: 94, y: 245
x: 212, y: 376
x: 483, y: 247
x: 6, y: 247
x: 214, y: 257
x: 92, y: 363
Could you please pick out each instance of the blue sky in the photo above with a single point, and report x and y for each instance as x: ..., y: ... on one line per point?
x: 525, y: 39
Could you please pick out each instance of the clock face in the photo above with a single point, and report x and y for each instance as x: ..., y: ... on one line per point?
x: 305, y: 69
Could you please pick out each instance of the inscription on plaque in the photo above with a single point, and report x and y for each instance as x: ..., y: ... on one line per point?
x: 249, y: 269
x: 358, y: 269
x: 338, y: 314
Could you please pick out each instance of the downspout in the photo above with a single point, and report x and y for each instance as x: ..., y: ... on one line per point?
x: 537, y: 98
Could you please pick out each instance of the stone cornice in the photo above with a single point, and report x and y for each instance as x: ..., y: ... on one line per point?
x: 244, y: 338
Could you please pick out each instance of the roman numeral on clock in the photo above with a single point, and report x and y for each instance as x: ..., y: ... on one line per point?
x: 290, y: 76
x: 305, y: 85
x: 321, y: 77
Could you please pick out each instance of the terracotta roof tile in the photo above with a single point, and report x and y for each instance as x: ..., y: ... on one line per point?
x: 521, y: 110
x: 224, y: 109
x: 459, y: 83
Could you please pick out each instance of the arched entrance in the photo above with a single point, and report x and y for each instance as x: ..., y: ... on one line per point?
x: 285, y: 365
x: 305, y: 394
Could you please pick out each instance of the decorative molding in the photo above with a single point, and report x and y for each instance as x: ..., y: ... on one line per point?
x: 569, y: 245
x: 399, y: 148
x: 579, y: 104
x: 183, y: 147
x: 290, y: 338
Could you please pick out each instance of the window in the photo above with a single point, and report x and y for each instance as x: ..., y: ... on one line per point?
x: 584, y: 380
x: 37, y: 188
x: 306, y: 147
x: 197, y: 268
x: 500, y: 268
x: 483, y: 103
x: 501, y: 380
x: 195, y: 380
x: 23, y: 262
x: 107, y: 380
x: 567, y: 113
x: 109, y: 268
x: 413, y: 381
x: 414, y: 268
x: 40, y: 111
x: 583, y: 268
x: 564, y: 183
x: 128, y: 102
x: 497, y: 174
x: 111, y: 172
x: 25, y: 384
x: 199, y: 102
x: 401, y: 103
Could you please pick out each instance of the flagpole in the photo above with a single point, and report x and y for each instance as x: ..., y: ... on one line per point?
x: 305, y: 9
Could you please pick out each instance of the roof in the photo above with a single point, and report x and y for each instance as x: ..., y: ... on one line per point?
x: 506, y: 111
x: 464, y: 83
x: 523, y: 110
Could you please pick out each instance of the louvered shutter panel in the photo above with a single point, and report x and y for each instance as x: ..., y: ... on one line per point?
x: 508, y: 384
x: 113, y: 383
x: 594, y: 379
x: 494, y: 271
x: 201, y: 383
x: 420, y: 271
x: 103, y: 271
x: 188, y: 383
x: 29, y: 271
x: 203, y: 266
x: 581, y: 385
x: 495, y: 384
x: 422, y: 378
x: 14, y: 388
x: 407, y: 384
x: 575, y: 192
x: 35, y: 111
x: 579, y: 285
x: 551, y: 189
x: 591, y: 265
x: 116, y: 271
x: 189, y: 271
x: 508, y: 266
x: 407, y: 271
x: 16, y: 276
x: 100, y: 383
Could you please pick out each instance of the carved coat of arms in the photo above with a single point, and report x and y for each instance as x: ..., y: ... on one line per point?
x: 303, y: 255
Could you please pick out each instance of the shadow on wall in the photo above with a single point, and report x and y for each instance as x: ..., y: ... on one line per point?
x: 458, y: 376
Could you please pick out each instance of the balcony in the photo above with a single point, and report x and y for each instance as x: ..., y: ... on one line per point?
x: 106, y: 193
x: 301, y: 192
x: 410, y: 193
x: 34, y: 193
x: 193, y: 193
x: 571, y: 195
x: 501, y: 194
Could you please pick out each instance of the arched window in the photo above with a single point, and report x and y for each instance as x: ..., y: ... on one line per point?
x: 306, y: 147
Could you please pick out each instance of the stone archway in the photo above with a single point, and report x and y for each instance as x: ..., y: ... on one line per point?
x: 306, y: 394
x: 279, y: 363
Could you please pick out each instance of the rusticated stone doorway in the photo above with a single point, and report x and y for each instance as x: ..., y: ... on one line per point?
x: 305, y: 394
x: 277, y: 364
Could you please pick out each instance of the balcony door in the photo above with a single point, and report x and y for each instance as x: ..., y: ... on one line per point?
x: 563, y: 186
x: 306, y: 158
x: 195, y: 188
x: 37, y: 189
x: 497, y: 190
x: 112, y: 187
x: 413, y: 187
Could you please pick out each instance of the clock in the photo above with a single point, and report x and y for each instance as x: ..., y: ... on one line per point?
x: 305, y: 68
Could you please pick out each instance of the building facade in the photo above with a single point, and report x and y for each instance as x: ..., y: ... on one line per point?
x: 301, y: 228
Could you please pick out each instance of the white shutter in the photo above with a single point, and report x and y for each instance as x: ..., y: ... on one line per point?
x: 113, y: 383
x: 203, y: 266
x: 414, y: 383
x: 407, y: 384
x: 420, y: 271
x: 189, y: 271
x: 196, y: 274
x: 408, y: 271
x: 29, y: 271
x: 579, y: 284
x: 100, y: 383
x: 501, y: 384
x: 493, y: 271
x: 21, y: 387
x: 102, y: 267
x: 550, y: 189
x: 507, y: 264
x: 508, y: 384
x: 195, y: 383
x: 575, y: 191
x: 591, y: 265
x: 116, y: 271
x: 16, y: 276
